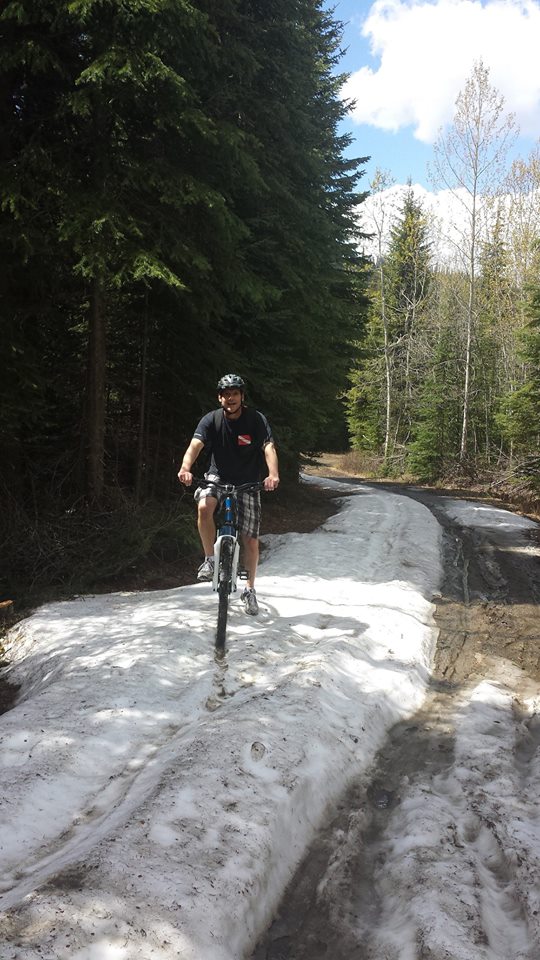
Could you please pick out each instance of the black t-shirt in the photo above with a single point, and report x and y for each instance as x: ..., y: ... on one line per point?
x: 235, y: 446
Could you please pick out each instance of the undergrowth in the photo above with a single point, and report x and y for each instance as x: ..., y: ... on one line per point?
x: 58, y: 554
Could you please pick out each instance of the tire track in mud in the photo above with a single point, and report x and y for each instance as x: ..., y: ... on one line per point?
x: 352, y: 898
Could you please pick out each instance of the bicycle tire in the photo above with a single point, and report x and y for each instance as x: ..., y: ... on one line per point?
x: 224, y: 587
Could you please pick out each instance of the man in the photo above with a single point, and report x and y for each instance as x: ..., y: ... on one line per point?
x: 239, y: 439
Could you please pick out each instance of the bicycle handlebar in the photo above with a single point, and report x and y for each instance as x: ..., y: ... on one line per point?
x: 229, y: 487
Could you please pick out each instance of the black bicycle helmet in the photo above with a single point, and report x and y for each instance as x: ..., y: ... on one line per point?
x: 231, y: 381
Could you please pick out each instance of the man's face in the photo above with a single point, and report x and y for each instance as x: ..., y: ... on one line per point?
x: 231, y: 400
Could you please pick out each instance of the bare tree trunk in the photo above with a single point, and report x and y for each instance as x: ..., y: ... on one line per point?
x: 471, y: 306
x: 379, y: 184
x: 156, y: 453
x: 467, y: 383
x: 95, y: 397
x: 142, y: 414
x: 387, y: 367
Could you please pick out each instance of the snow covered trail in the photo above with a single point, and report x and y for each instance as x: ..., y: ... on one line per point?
x: 156, y: 802
x: 458, y: 860
x: 436, y: 852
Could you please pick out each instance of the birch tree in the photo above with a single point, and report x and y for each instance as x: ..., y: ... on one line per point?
x: 469, y: 160
x: 382, y: 210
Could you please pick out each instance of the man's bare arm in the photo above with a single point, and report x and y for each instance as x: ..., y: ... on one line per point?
x: 270, y: 455
x: 184, y: 474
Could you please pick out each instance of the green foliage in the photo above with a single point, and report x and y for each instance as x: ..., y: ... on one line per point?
x: 436, y: 430
x: 175, y: 201
x: 365, y: 398
x: 410, y: 364
x: 518, y: 416
x: 384, y: 380
x: 407, y: 267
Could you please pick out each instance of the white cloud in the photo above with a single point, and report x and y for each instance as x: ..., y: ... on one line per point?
x: 426, y: 51
x: 445, y: 212
x: 449, y: 223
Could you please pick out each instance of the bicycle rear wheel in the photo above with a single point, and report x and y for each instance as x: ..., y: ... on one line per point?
x: 224, y: 588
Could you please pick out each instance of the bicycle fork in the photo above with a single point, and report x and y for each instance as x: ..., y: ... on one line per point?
x: 235, y: 548
x: 227, y: 532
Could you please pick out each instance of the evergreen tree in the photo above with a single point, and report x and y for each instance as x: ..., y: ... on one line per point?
x: 436, y: 425
x: 494, y: 347
x: 109, y: 132
x: 407, y: 292
x: 519, y: 413
x: 366, y: 397
x: 175, y: 202
x: 380, y: 403
x: 303, y: 231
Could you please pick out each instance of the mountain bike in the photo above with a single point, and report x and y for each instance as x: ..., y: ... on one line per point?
x: 227, y: 552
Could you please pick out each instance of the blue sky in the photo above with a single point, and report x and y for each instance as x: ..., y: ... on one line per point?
x: 408, y: 60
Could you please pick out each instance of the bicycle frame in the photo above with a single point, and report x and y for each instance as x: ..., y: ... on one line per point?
x: 226, y: 554
x: 227, y: 532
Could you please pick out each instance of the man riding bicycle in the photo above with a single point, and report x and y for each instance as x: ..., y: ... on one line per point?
x: 238, y: 438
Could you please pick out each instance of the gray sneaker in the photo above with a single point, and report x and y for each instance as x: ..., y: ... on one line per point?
x: 206, y: 569
x: 249, y: 599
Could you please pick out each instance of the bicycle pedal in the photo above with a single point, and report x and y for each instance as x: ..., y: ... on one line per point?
x: 243, y: 574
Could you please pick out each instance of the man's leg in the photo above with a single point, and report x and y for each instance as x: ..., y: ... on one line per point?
x: 251, y: 557
x: 249, y: 517
x: 206, y: 525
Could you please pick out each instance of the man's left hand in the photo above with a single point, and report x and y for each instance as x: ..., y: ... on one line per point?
x: 271, y: 483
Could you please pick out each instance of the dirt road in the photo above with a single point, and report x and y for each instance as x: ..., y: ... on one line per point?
x: 357, y: 895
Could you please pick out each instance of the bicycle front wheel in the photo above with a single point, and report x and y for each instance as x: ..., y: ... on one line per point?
x: 224, y: 589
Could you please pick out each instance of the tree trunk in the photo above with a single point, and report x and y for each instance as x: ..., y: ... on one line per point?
x: 139, y: 470
x: 387, y: 368
x: 95, y: 399
x: 466, y: 391
x: 471, y: 306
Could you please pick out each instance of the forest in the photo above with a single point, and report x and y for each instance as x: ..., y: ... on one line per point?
x: 178, y: 201
x: 176, y: 204
x: 445, y: 382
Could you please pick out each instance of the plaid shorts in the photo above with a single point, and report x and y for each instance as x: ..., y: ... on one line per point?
x: 248, y: 506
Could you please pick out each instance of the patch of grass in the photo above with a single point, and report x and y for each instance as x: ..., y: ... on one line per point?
x: 353, y: 463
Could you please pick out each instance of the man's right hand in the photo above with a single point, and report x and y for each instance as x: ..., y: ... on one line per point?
x: 185, y: 477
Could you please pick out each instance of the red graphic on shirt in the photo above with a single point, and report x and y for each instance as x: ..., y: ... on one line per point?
x: 244, y: 439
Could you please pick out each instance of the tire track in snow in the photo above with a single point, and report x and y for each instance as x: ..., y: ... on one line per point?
x: 413, y: 865
x: 90, y: 828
